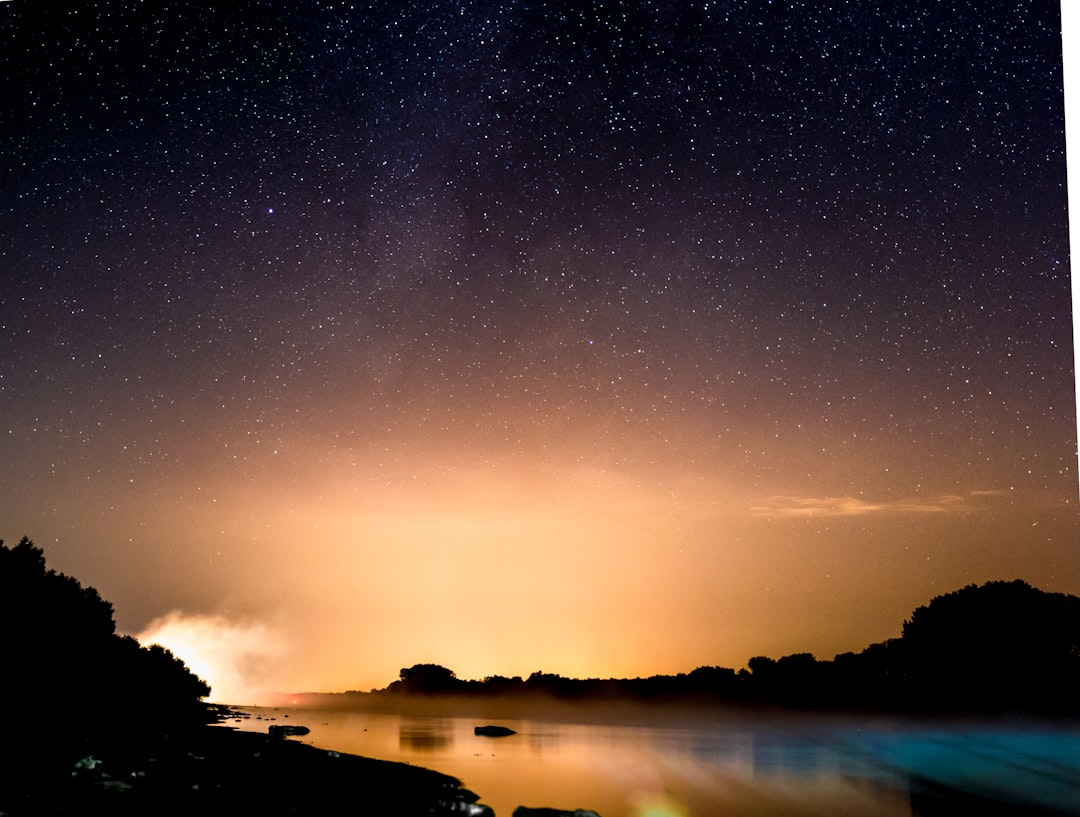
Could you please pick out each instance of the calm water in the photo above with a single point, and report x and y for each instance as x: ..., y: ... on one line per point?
x: 677, y: 766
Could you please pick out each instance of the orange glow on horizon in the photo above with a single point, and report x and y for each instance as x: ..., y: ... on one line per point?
x: 580, y: 571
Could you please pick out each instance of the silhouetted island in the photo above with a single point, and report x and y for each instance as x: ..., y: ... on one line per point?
x: 1002, y: 647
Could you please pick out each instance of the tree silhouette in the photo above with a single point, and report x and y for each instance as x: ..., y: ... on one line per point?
x: 427, y: 679
x: 66, y: 672
x: 1003, y: 645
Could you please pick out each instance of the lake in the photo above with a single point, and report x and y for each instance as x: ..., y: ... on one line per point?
x: 670, y: 763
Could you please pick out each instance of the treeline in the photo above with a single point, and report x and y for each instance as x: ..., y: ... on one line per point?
x: 68, y: 677
x: 999, y: 647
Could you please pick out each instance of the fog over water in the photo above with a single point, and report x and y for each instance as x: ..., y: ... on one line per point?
x: 663, y: 762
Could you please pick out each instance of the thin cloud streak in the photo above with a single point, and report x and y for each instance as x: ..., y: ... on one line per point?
x: 854, y: 506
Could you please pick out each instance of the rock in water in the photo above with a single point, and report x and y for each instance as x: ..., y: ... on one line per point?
x: 286, y: 731
x: 494, y: 731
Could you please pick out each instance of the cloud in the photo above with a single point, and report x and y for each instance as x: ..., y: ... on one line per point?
x: 237, y: 658
x: 854, y: 506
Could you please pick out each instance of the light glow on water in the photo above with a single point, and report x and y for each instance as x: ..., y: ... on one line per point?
x: 771, y: 767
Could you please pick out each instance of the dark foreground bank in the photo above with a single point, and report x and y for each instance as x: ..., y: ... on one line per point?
x: 218, y: 771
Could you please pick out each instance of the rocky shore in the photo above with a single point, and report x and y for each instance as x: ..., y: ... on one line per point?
x: 215, y: 770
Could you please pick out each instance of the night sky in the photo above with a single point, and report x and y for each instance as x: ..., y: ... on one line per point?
x: 597, y: 338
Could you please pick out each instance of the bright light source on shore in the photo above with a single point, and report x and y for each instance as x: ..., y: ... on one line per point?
x: 235, y: 657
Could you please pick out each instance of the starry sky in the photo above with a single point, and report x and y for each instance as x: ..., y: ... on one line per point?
x: 598, y: 338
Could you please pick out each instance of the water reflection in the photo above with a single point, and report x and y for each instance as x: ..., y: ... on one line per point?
x: 793, y: 755
x: 425, y: 735
x: 779, y: 767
